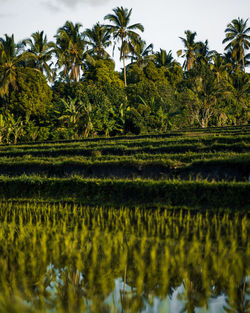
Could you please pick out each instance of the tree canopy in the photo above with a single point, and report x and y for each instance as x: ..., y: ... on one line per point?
x: 69, y: 87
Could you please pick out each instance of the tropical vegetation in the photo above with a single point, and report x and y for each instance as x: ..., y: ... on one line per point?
x: 70, y: 87
x: 124, y: 191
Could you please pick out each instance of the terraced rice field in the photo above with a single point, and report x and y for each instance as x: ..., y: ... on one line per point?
x: 208, y: 168
x: 70, y: 258
x: 145, y: 224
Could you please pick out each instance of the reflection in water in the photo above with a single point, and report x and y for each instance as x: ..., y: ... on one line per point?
x: 69, y: 258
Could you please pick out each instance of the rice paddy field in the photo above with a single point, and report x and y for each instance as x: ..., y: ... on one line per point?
x: 127, y: 224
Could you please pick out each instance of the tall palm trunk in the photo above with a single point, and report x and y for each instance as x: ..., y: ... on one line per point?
x: 243, y: 62
x: 124, y: 71
x: 122, y: 56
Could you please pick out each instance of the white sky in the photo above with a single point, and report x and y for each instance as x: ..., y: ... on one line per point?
x: 164, y: 20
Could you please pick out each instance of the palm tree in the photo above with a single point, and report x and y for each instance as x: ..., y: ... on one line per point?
x: 164, y: 58
x: 70, y: 48
x: 220, y: 67
x: 42, y: 51
x: 141, y: 53
x: 190, y: 51
x: 239, y: 88
x: 11, y: 59
x: 204, y: 55
x: 98, y: 38
x: 238, y: 39
x: 123, y: 32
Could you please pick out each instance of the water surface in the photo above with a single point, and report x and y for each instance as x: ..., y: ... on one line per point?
x: 70, y: 258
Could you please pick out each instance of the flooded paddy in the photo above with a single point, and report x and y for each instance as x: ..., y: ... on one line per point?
x: 58, y: 257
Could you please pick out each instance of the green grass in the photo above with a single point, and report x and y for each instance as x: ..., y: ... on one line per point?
x: 129, y: 192
x: 200, y: 157
x: 199, y: 147
x: 133, y: 167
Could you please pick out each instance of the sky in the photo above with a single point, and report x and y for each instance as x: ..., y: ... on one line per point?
x: 164, y: 20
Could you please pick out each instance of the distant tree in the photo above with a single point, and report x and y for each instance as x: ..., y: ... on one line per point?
x: 204, y: 55
x: 238, y: 41
x: 98, y: 38
x: 190, y: 51
x: 151, y: 99
x: 201, y: 95
x: 42, y: 50
x: 11, y: 58
x: 33, y: 97
x: 70, y: 47
x: 163, y: 58
x: 238, y: 94
x: 123, y: 32
x: 234, y: 65
x: 141, y: 53
x: 101, y: 72
x: 220, y: 67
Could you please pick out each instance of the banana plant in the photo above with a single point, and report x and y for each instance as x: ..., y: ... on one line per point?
x: 72, y: 111
x: 14, y: 127
x: 2, y: 127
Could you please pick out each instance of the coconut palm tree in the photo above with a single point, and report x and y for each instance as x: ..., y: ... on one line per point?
x: 220, y: 67
x: 98, y: 38
x: 204, y: 55
x: 42, y: 51
x: 164, y: 58
x: 11, y: 59
x: 238, y: 40
x: 123, y: 32
x: 141, y: 53
x: 190, y: 51
x: 70, y: 47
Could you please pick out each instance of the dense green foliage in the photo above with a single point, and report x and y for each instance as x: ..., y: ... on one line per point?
x: 167, y: 136
x: 32, y: 100
x: 85, y: 96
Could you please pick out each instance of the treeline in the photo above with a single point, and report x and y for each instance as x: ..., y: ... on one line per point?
x: 69, y: 88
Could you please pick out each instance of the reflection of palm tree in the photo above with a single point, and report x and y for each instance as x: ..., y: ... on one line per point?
x: 193, y: 295
x: 71, y: 290
x: 98, y: 38
x: 238, y: 40
x: 124, y: 32
x: 239, y: 303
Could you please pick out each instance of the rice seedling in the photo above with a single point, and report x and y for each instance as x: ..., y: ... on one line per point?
x: 65, y: 257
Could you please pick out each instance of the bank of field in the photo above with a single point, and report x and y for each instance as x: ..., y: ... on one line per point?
x: 199, y: 168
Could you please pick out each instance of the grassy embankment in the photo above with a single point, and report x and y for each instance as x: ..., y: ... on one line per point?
x: 198, y: 168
